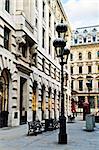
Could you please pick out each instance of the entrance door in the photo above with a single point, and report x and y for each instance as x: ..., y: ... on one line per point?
x: 23, y: 100
x: 4, y: 99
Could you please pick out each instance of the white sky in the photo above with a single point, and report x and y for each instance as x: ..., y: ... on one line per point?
x: 82, y: 13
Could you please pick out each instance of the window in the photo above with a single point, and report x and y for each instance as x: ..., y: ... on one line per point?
x: 80, y: 85
x: 55, y: 73
x: 7, y: 5
x: 89, y: 38
x: 24, y: 50
x: 71, y: 70
x: 43, y: 37
x: 98, y: 54
x: 71, y: 57
x: 49, y: 2
x: 75, y: 41
x: 80, y: 56
x: 84, y: 40
x: 94, y: 38
x: 72, y: 84
x: 98, y: 84
x: 59, y: 75
x: 97, y: 38
x: 80, y: 69
x: 80, y: 40
x: 36, y: 22
x: 90, y: 84
x: 49, y: 69
x: 49, y: 45
x: 34, y: 58
x: 43, y: 13
x: 49, y: 19
x: 6, y: 38
x: 98, y: 68
x: 89, y: 69
x: 36, y: 3
x: 89, y: 55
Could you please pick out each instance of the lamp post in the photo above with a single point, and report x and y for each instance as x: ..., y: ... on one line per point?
x: 88, y: 84
x: 62, y: 52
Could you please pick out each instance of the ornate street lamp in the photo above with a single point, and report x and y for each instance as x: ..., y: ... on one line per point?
x: 62, y: 52
x: 88, y: 84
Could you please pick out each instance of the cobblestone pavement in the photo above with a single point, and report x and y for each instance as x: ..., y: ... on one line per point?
x: 16, y: 138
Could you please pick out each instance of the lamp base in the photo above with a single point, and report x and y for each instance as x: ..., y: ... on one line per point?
x: 62, y: 134
x: 62, y: 138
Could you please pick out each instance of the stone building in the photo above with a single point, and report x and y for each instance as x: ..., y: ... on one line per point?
x: 85, y: 66
x: 29, y: 69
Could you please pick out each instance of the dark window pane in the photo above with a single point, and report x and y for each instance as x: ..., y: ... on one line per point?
x: 7, y: 5
x: 6, y: 38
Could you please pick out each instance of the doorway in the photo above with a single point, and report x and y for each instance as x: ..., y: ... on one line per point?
x: 23, y: 100
x: 4, y: 90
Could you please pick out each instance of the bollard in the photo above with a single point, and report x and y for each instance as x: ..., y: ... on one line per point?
x: 89, y: 122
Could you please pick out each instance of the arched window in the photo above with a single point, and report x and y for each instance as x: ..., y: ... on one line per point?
x: 80, y: 56
x: 71, y: 57
x: 89, y: 55
x: 98, y: 54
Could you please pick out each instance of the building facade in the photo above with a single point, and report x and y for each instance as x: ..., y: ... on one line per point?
x: 85, y: 66
x: 29, y: 69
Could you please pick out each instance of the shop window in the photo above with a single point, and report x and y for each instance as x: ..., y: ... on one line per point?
x: 43, y: 102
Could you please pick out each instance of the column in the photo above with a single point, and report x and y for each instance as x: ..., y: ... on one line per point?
x: 96, y: 104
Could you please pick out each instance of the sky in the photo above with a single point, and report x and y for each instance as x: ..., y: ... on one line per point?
x: 82, y: 13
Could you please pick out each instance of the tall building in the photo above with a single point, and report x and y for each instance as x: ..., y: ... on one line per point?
x: 29, y: 69
x: 85, y: 66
